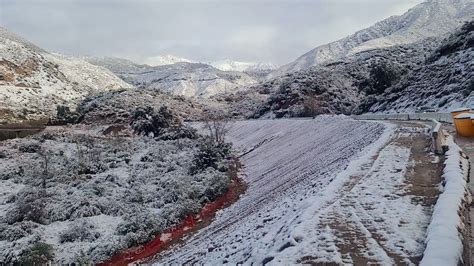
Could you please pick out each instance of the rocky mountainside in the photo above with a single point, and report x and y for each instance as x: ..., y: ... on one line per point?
x: 186, y: 79
x: 445, y: 80
x: 429, y: 19
x: 33, y: 82
x: 436, y: 72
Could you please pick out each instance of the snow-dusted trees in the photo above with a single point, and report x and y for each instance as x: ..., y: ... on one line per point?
x: 138, y: 185
x: 145, y: 121
x: 163, y: 124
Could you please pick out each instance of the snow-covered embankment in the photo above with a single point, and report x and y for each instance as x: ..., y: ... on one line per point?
x: 444, y: 242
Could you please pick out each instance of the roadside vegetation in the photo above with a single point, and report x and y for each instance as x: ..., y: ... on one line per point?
x: 74, y: 194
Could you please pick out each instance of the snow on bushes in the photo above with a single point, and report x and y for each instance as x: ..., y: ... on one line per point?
x: 444, y: 242
x: 87, y: 195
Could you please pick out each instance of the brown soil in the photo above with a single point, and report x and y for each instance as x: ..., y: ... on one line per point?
x: 422, y: 178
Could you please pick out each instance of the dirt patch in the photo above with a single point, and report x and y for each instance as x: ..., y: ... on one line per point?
x: 351, y: 220
x: 424, y: 172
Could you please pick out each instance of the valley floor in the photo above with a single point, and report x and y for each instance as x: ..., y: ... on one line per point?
x: 327, y: 190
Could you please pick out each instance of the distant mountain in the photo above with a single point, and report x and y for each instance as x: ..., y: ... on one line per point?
x: 229, y: 65
x: 185, y: 79
x: 116, y: 65
x: 33, y: 82
x: 165, y: 60
x: 428, y: 19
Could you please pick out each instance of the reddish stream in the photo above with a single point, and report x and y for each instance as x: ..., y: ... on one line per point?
x: 161, y: 241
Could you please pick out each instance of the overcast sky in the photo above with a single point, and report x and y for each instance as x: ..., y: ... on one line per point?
x: 276, y: 31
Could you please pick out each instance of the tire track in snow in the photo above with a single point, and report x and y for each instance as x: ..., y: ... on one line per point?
x: 374, y: 219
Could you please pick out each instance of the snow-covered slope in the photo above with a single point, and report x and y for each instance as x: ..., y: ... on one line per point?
x: 436, y: 72
x: 186, y: 79
x: 316, y: 197
x: 428, y: 19
x: 162, y: 60
x: 33, y: 82
x: 115, y: 64
x: 445, y: 80
x: 229, y: 65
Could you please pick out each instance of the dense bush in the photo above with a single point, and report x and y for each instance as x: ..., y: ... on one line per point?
x: 29, y: 206
x: 29, y: 147
x: 79, y: 231
x: 209, y: 155
x: 178, y: 132
x: 39, y: 254
x: 382, y: 76
x: 16, y: 231
x: 145, y: 121
x: 64, y: 116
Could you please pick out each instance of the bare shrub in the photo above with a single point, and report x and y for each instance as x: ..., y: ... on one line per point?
x: 216, y: 122
x: 88, y: 155
x: 46, y: 156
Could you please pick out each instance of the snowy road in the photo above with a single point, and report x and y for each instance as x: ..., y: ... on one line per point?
x: 302, y: 175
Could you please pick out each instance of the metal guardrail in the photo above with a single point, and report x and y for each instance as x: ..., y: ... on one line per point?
x: 438, y: 134
x: 441, y: 117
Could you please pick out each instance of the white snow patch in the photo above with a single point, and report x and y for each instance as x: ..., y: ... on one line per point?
x: 444, y: 241
x: 165, y: 237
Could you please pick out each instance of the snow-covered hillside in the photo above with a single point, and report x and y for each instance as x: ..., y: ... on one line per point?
x: 33, y: 82
x: 186, y: 79
x: 428, y: 19
x: 445, y: 80
x: 436, y: 72
x: 229, y: 65
x: 316, y: 197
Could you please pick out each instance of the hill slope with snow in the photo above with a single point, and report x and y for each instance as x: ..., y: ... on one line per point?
x: 444, y: 81
x: 33, y: 82
x: 186, y: 79
x: 435, y: 72
x: 428, y: 19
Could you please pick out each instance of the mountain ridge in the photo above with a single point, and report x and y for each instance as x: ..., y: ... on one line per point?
x: 427, y: 19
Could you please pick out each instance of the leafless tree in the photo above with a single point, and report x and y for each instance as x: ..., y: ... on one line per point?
x: 217, y: 125
x: 88, y: 155
x: 46, y: 155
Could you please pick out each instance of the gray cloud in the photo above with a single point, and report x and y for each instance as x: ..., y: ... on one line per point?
x: 204, y: 30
